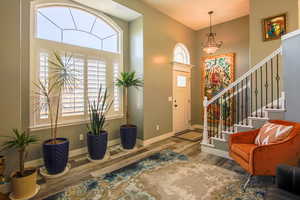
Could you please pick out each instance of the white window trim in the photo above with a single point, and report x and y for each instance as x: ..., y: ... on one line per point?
x: 185, y: 50
x: 71, y: 123
x: 36, y: 46
x: 182, y: 67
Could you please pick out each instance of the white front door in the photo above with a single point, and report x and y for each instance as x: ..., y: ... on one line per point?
x: 181, y: 101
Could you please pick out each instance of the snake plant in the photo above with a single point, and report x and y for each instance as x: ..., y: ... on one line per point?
x: 98, y: 109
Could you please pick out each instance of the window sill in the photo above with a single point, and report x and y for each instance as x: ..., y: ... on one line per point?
x: 71, y: 123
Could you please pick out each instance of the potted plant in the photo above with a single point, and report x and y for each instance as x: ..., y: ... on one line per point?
x: 2, y: 168
x: 97, y: 136
x: 61, y: 78
x: 23, y: 182
x: 128, y: 132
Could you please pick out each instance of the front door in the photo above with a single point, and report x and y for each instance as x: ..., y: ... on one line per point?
x: 181, y: 101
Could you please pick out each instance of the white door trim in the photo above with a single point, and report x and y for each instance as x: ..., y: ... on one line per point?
x: 182, y: 68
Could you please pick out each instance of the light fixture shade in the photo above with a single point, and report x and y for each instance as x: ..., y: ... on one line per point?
x: 210, y: 50
x: 211, y: 46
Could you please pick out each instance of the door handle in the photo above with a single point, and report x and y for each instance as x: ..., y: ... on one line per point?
x: 175, y: 105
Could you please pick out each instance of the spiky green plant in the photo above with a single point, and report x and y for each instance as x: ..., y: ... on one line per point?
x: 98, y: 109
x: 61, y: 78
x: 128, y: 80
x: 20, y: 141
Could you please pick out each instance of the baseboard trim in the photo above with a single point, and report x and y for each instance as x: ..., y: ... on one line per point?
x: 72, y: 153
x: 157, y: 139
x: 216, y: 152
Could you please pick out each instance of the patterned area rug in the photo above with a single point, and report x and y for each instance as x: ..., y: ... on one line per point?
x: 170, y: 176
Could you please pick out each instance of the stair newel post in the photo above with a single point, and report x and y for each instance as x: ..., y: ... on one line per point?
x: 283, y: 101
x: 251, y: 93
x: 272, y: 85
x: 246, y: 101
x: 220, y: 132
x: 205, y: 139
x: 277, y: 79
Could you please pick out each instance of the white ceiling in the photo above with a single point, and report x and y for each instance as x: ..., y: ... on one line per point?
x: 193, y: 13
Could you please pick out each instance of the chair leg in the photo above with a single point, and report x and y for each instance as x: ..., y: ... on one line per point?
x: 247, y: 182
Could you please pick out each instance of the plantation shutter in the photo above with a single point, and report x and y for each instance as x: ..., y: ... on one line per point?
x: 96, y: 78
x: 73, y: 95
x: 43, y: 77
x: 116, y: 74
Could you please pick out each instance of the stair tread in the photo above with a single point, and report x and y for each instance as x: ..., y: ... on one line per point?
x: 262, y: 118
x: 275, y: 109
x: 220, y: 139
x: 243, y: 125
x: 228, y: 132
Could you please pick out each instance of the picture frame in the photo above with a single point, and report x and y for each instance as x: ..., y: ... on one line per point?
x: 274, y: 27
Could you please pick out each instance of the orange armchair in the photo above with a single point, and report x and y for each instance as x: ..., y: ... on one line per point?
x: 263, y: 160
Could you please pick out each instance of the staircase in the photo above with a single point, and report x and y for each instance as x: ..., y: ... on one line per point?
x: 246, y: 104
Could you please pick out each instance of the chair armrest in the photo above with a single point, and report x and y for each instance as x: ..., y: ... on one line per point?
x: 266, y: 158
x: 243, y: 137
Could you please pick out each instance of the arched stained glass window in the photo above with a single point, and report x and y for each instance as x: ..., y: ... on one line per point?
x: 181, y: 54
x: 76, y: 27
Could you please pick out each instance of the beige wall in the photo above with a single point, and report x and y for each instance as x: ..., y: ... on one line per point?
x: 136, y: 96
x: 160, y: 37
x: 235, y: 35
x: 10, y: 66
x: 260, y: 9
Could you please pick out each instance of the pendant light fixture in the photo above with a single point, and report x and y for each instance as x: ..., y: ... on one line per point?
x: 211, y: 46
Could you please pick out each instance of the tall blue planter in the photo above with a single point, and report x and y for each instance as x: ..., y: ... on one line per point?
x: 128, y: 134
x: 56, y: 155
x: 97, y: 145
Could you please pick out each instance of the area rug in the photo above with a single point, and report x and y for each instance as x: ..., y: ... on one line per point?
x: 167, y: 176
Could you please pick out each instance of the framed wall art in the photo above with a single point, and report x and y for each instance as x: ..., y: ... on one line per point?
x: 274, y: 27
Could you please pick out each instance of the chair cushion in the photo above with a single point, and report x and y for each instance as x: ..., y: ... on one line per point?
x: 243, y: 150
x: 272, y: 133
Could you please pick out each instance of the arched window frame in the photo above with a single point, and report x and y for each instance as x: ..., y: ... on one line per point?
x: 181, y: 48
x: 114, y: 64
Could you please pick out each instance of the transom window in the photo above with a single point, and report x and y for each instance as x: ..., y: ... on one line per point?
x: 76, y: 27
x: 94, y: 44
x: 181, y: 54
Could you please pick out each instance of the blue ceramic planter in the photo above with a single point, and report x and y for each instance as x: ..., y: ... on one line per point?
x: 56, y: 155
x: 128, y: 134
x: 97, y: 145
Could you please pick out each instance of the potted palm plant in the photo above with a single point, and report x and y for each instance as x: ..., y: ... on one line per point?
x: 61, y: 78
x: 97, y: 136
x: 128, y: 132
x: 23, y: 182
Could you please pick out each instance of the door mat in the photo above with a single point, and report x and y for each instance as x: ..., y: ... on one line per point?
x: 190, y: 136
